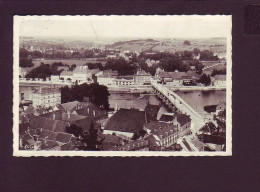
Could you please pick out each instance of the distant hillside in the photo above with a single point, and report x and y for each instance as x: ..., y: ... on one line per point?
x: 217, y: 45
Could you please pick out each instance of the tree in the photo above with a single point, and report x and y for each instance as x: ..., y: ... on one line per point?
x: 90, y: 140
x: 196, y: 51
x: 207, y: 55
x: 205, y: 79
x: 98, y: 94
x: 186, y: 42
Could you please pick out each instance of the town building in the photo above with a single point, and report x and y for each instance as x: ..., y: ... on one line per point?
x: 166, y: 134
x: 142, y: 78
x: 82, y: 74
x: 55, y: 78
x: 46, y: 97
x: 183, y: 123
x: 151, y: 112
x: 24, y: 71
x: 64, y: 68
x: 219, y: 80
x: 66, y: 75
x: 127, y: 80
x: 125, y: 122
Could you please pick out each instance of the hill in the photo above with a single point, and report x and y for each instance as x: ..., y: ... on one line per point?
x: 217, y: 45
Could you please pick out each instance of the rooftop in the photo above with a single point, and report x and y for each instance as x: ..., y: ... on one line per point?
x: 183, y: 119
x: 126, y: 120
x: 66, y: 73
x: 220, y: 77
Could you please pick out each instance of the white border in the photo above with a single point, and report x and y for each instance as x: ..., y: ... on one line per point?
x: 22, y: 153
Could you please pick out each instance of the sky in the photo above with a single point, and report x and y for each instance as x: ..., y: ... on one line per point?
x: 98, y: 27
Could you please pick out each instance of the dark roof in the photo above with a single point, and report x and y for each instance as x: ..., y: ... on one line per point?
x: 23, y: 128
x: 135, y: 145
x: 62, y: 116
x: 49, y: 124
x: 89, y: 109
x: 183, y: 119
x: 50, y: 135
x: 161, y: 129
x: 151, y: 112
x: 166, y: 117
x: 47, y: 144
x: 63, y: 137
x: 126, y: 120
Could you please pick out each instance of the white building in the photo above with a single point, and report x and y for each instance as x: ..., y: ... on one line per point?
x: 106, y: 80
x: 55, y: 78
x: 46, y: 97
x: 82, y: 74
x: 125, y: 81
x: 66, y: 75
x: 219, y: 80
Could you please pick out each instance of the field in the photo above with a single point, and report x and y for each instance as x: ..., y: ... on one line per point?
x: 217, y: 45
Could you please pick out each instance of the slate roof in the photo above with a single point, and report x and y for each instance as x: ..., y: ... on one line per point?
x: 126, y: 120
x: 161, y: 129
x: 88, y: 110
x: 64, y: 137
x: 166, y: 117
x: 183, y: 119
x: 69, y: 106
x: 151, y: 112
x: 220, y: 77
x: 62, y: 116
x: 49, y: 124
x: 23, y: 127
x: 135, y: 145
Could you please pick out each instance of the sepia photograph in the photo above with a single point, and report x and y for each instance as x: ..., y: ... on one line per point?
x: 122, y: 85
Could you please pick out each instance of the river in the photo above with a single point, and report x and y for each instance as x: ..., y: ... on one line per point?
x: 196, y: 99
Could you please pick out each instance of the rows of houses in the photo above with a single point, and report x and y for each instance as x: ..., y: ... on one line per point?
x: 146, y: 130
x: 52, y: 130
x: 177, y: 79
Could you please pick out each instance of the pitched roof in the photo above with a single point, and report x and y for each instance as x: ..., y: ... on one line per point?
x: 166, y: 117
x: 220, y: 77
x: 126, y: 120
x: 135, y: 145
x: 62, y: 116
x: 178, y: 75
x: 66, y: 73
x: 161, y: 129
x: 151, y: 112
x: 49, y: 124
x: 183, y: 119
x: 46, y: 134
x: 23, y: 128
x: 68, y: 106
x: 63, y: 137
x: 88, y: 110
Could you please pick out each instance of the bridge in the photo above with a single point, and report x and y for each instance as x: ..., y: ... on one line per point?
x: 172, y: 99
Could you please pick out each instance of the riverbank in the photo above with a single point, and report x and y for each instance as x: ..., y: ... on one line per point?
x: 129, y: 89
x: 196, y: 88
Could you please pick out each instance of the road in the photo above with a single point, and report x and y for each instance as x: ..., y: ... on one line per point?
x: 197, y: 121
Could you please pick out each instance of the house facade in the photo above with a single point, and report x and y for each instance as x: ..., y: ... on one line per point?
x: 219, y: 80
x: 183, y: 124
x: 142, y: 78
x: 46, y: 97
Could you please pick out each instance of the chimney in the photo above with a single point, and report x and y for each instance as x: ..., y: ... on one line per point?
x: 53, y: 115
x: 68, y: 113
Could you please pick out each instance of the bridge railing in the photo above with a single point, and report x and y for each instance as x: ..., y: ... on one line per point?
x: 168, y: 94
